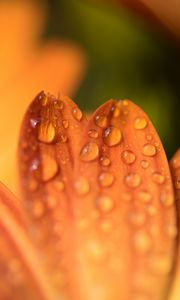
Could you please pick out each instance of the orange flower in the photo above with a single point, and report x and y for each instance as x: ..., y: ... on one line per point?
x: 98, y: 216
x: 26, y: 65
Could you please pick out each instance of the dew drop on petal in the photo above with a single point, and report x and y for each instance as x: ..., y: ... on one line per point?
x: 81, y: 186
x: 38, y: 209
x: 142, y: 242
x: 160, y: 265
x: 51, y: 202
x: 63, y: 138
x: 106, y: 179
x: 177, y: 184
x: 48, y: 168
x: 144, y: 197
x: 101, y: 120
x: 128, y: 157
x: 105, y: 161
x: 125, y: 102
x: 89, y: 152
x: 167, y: 199
x: 92, y: 133
x: 158, y: 178
x: 32, y: 185
x: 115, y: 111
x: 144, y: 164
x: 77, y: 113
x: 137, y: 218
x: 132, y: 180
x: 149, y: 150
x: 65, y: 124
x: 112, y: 136
x: 105, y: 204
x: 46, y: 133
x: 140, y: 123
x: 59, y: 185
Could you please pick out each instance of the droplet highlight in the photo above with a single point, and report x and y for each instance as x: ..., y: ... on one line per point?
x: 112, y: 136
x: 128, y: 157
x: 81, y: 186
x: 158, y: 178
x: 101, y: 120
x: 77, y: 114
x: 106, y: 179
x: 149, y: 150
x: 140, y: 123
x: 133, y: 180
x: 89, y: 152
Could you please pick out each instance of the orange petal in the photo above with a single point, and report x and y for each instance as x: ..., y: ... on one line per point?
x: 105, y: 189
x: 21, y: 270
x: 175, y: 170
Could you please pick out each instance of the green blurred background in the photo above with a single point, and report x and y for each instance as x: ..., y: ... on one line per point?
x: 128, y: 58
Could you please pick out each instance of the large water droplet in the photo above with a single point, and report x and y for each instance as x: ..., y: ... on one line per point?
x: 149, y: 150
x: 46, y: 168
x: 77, y: 113
x: 101, y: 120
x: 158, y: 178
x: 142, y: 242
x: 144, y: 196
x: 140, y: 123
x: 132, y: 180
x: 128, y: 157
x: 89, y: 152
x: 81, y: 186
x: 105, y: 161
x: 105, y: 204
x: 46, y: 132
x: 92, y: 133
x: 112, y: 136
x: 106, y: 179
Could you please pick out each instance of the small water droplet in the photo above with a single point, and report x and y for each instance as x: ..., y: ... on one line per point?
x: 63, y: 138
x: 89, y: 152
x: 149, y: 150
x: 77, y: 113
x: 132, y: 180
x: 112, y: 136
x: 38, y: 209
x: 46, y: 132
x: 116, y: 111
x: 158, y: 178
x: 105, y: 161
x: 81, y: 186
x: 32, y: 184
x: 140, y: 123
x: 44, y: 99
x: 92, y: 133
x: 128, y: 157
x: 105, y: 204
x: 171, y: 230
x: 149, y: 137
x: 151, y: 210
x: 65, y: 124
x: 101, y: 120
x: 144, y: 164
x: 59, y: 185
x: 106, y: 179
x: 142, y: 242
x: 144, y: 197
x: 177, y: 184
x: 160, y: 265
x: 96, y: 250
x: 167, y: 199
x: 125, y: 102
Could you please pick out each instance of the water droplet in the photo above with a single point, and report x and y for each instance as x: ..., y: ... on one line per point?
x: 59, y: 185
x: 32, y: 184
x: 63, y: 138
x: 106, y: 179
x: 77, y: 113
x: 160, y: 265
x: 142, y: 242
x: 46, y: 132
x: 177, y: 184
x: 58, y: 104
x: 51, y: 202
x: 128, y: 157
x: 137, y: 218
x: 158, y: 178
x: 89, y: 152
x: 101, y: 120
x: 116, y: 111
x: 167, y: 199
x: 105, y: 161
x: 34, y: 122
x: 171, y: 230
x: 125, y: 102
x: 81, y: 186
x: 92, y: 133
x: 149, y: 150
x: 144, y: 164
x: 140, y: 123
x: 44, y: 99
x: 149, y: 137
x: 65, y: 124
x: 105, y: 204
x: 112, y: 136
x: 144, y: 197
x: 133, y: 180
x: 151, y: 210
x: 48, y: 168
x: 38, y: 209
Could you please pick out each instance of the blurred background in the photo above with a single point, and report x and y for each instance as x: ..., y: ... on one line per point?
x: 91, y: 50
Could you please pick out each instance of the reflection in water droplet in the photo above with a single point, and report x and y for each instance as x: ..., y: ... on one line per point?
x: 46, y: 132
x: 106, y: 179
x: 144, y: 164
x: 77, y: 113
x: 89, y: 152
x: 65, y: 124
x: 132, y: 180
x: 167, y: 199
x: 105, y: 204
x: 140, y: 123
x: 158, y: 178
x: 128, y: 157
x: 142, y: 241
x: 149, y: 150
x: 81, y: 186
x: 144, y: 196
x: 112, y: 136
x: 105, y: 161
x: 101, y: 120
x: 92, y: 133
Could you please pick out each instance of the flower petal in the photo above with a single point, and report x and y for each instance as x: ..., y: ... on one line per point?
x: 22, y: 275
x: 175, y: 170
x: 101, y: 195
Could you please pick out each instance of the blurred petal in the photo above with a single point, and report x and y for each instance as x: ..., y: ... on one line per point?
x: 21, y: 273
x: 26, y: 67
x: 105, y: 188
x: 175, y: 170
